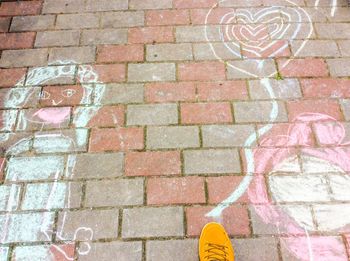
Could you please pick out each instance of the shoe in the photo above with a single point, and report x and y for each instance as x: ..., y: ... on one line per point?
x: 214, y: 244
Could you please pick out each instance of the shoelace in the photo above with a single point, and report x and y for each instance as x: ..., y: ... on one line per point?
x: 216, y: 252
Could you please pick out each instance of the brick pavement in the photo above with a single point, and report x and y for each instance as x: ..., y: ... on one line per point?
x: 126, y: 125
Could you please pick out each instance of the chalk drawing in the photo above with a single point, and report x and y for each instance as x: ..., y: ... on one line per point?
x: 252, y: 31
x: 23, y: 168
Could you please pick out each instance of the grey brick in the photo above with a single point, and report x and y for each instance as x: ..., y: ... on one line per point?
x: 105, y: 5
x: 123, y: 93
x: 282, y: 89
x: 105, y: 36
x: 79, y: 55
x: 169, y: 52
x: 32, y: 23
x: 152, y: 222
x: 227, y: 135
x: 202, y: 51
x: 57, y: 38
x: 77, y: 21
x: 344, y: 47
x: 339, y: 67
x: 9, y: 197
x: 95, y: 165
x: 315, y: 48
x: 172, y: 250
x: 345, y: 104
x: 98, y: 224
x: 121, y: 192
x: 211, y: 161
x: 154, y: 114
x: 63, y: 6
x: 197, y: 33
x: 255, y: 68
x: 130, y: 251
x: 151, y: 72
x: 333, y: 30
x: 251, y: 249
x: 172, y: 137
x: 23, y: 58
x: 123, y: 19
x: 150, y: 4
x: 259, y: 111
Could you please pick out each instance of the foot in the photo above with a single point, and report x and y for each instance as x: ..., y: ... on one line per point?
x: 214, y: 244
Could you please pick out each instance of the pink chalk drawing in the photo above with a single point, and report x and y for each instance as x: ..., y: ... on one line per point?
x: 18, y: 149
x: 308, y: 185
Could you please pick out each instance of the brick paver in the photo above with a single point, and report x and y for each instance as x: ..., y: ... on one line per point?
x: 127, y: 125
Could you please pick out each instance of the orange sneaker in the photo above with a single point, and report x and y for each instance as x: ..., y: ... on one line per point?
x: 214, y: 244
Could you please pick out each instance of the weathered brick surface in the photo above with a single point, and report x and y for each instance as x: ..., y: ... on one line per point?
x: 115, y: 193
x: 23, y: 58
x: 31, y: 23
x: 162, y: 114
x: 211, y: 161
x: 124, y: 124
x: 152, y: 222
x: 103, y: 222
x: 151, y: 72
x: 57, y: 38
x: 172, y: 137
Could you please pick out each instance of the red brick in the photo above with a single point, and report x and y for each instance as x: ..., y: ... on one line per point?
x: 220, y: 188
x: 328, y: 107
x: 198, y: 16
x: 167, y: 17
x: 170, y: 92
x: 184, y: 190
x: 151, y: 35
x: 65, y: 95
x: 116, y: 139
x: 110, y: 72
x: 197, y: 113
x: 326, y: 88
x: 108, y: 116
x: 16, y: 40
x: 152, y: 163
x: 194, y: 3
x: 277, y: 49
x: 120, y: 53
x: 221, y: 91
x: 9, y: 77
x: 20, y: 8
x: 309, y: 67
x: 202, y: 71
x: 62, y: 252
x: 234, y: 218
x: 4, y: 24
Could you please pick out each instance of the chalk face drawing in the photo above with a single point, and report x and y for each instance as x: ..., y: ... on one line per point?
x: 50, y: 136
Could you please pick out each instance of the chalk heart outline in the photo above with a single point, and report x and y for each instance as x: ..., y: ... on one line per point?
x: 251, y: 26
x: 278, y: 30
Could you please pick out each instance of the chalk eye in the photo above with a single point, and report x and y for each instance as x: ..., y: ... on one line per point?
x: 44, y: 95
x: 68, y: 93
